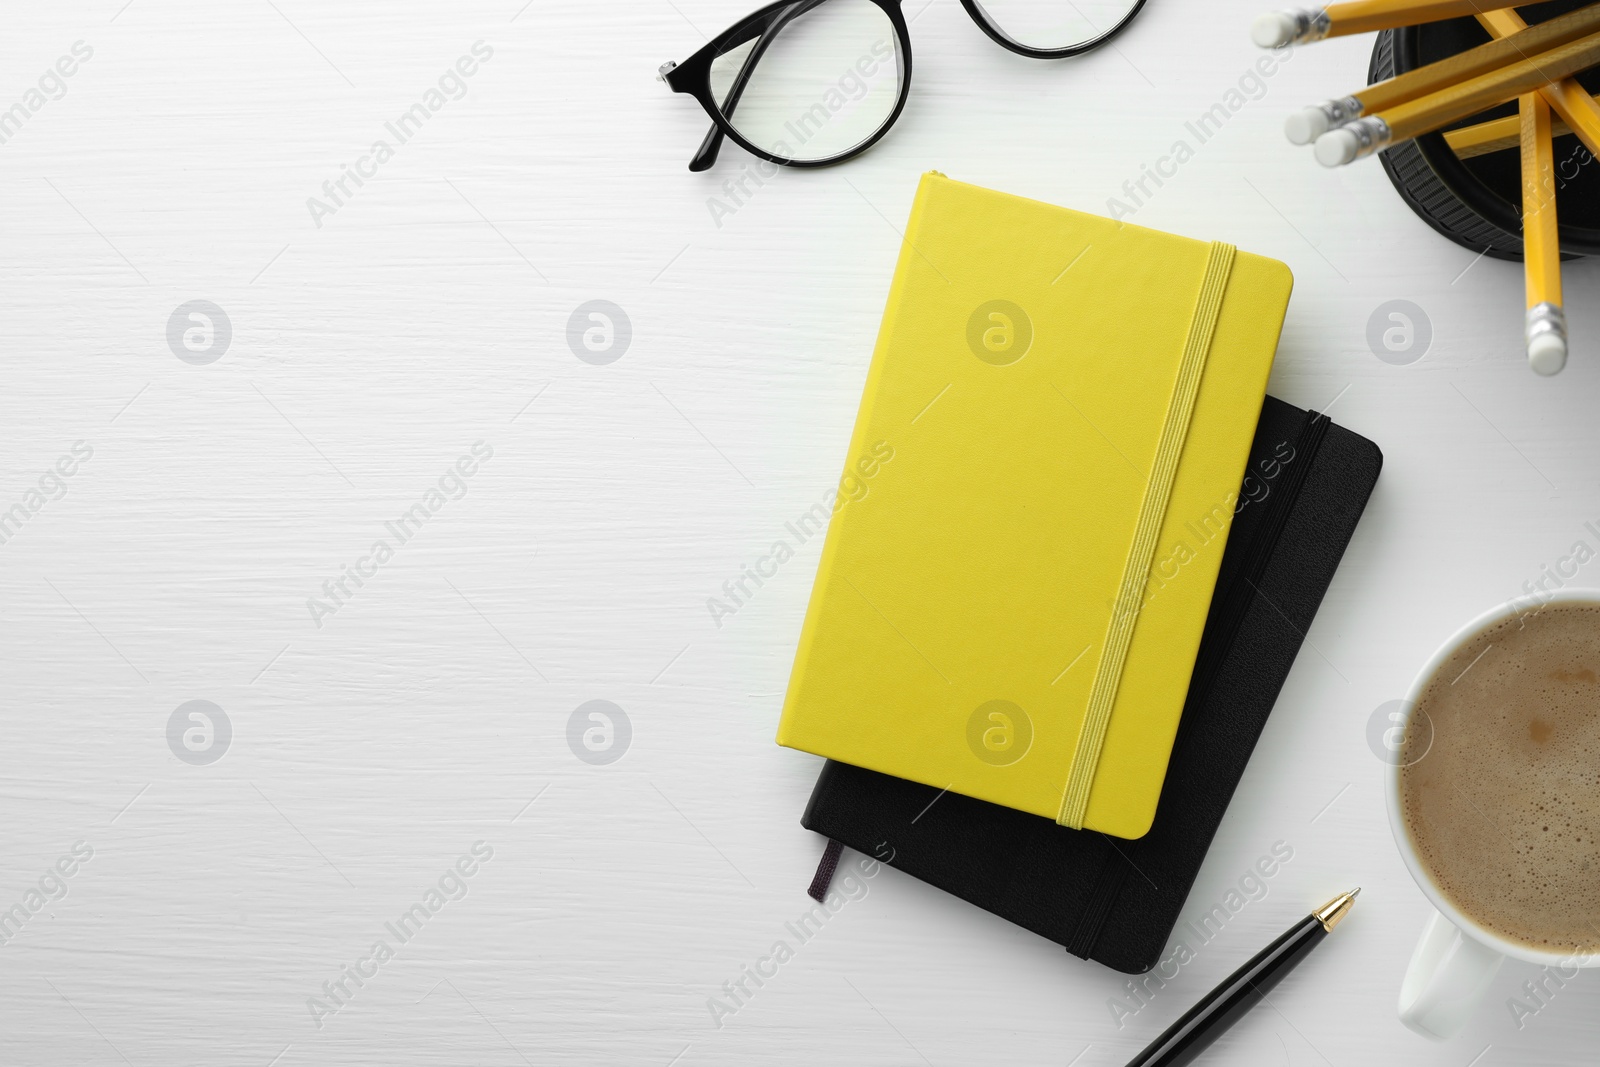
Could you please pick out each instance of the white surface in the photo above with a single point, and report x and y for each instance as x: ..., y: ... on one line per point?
x: 430, y: 312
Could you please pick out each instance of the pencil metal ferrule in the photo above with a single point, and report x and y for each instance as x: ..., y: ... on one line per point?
x: 1372, y: 135
x: 1311, y: 24
x: 1342, y: 111
x: 1546, y: 318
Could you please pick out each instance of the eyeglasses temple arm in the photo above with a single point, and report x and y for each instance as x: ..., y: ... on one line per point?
x: 706, y: 155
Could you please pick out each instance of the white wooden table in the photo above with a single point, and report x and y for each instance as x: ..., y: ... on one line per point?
x: 374, y: 734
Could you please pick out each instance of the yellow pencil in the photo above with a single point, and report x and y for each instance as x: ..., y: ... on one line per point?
x: 1576, y: 108
x: 1546, y: 325
x: 1278, y: 28
x: 1425, y: 114
x: 1512, y: 44
x: 1496, y: 135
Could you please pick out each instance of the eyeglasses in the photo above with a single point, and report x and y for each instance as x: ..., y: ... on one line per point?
x: 807, y: 83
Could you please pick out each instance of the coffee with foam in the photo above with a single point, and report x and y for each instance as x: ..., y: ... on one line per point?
x: 1500, y: 780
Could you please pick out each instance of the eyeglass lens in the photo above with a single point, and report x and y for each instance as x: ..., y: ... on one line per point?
x: 816, y: 84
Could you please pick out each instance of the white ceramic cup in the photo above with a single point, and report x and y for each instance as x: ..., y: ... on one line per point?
x: 1456, y: 958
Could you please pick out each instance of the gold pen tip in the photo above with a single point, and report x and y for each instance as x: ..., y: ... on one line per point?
x: 1336, y: 909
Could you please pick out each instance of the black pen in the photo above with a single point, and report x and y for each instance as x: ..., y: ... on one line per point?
x: 1244, y: 988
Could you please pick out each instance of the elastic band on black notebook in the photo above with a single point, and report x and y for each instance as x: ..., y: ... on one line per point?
x: 1097, y: 908
x: 824, y: 876
x: 1241, y: 593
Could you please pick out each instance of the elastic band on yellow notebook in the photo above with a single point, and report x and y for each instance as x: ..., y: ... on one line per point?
x: 1152, y: 514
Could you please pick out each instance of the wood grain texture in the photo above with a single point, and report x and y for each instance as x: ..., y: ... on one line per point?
x: 429, y: 312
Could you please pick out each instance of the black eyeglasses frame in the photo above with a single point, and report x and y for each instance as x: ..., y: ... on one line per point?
x: 693, y: 75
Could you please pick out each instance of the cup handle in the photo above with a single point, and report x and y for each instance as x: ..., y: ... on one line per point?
x: 1449, y: 972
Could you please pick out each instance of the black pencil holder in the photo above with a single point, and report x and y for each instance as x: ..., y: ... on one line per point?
x: 1477, y: 202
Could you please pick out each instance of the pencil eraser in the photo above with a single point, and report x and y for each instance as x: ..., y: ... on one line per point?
x: 1274, y: 29
x: 1547, y: 354
x: 1337, y: 147
x: 1306, y: 125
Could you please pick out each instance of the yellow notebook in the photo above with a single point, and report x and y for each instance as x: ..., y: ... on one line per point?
x: 1035, y: 503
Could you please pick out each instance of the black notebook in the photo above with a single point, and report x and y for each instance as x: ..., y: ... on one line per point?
x: 1117, y: 902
